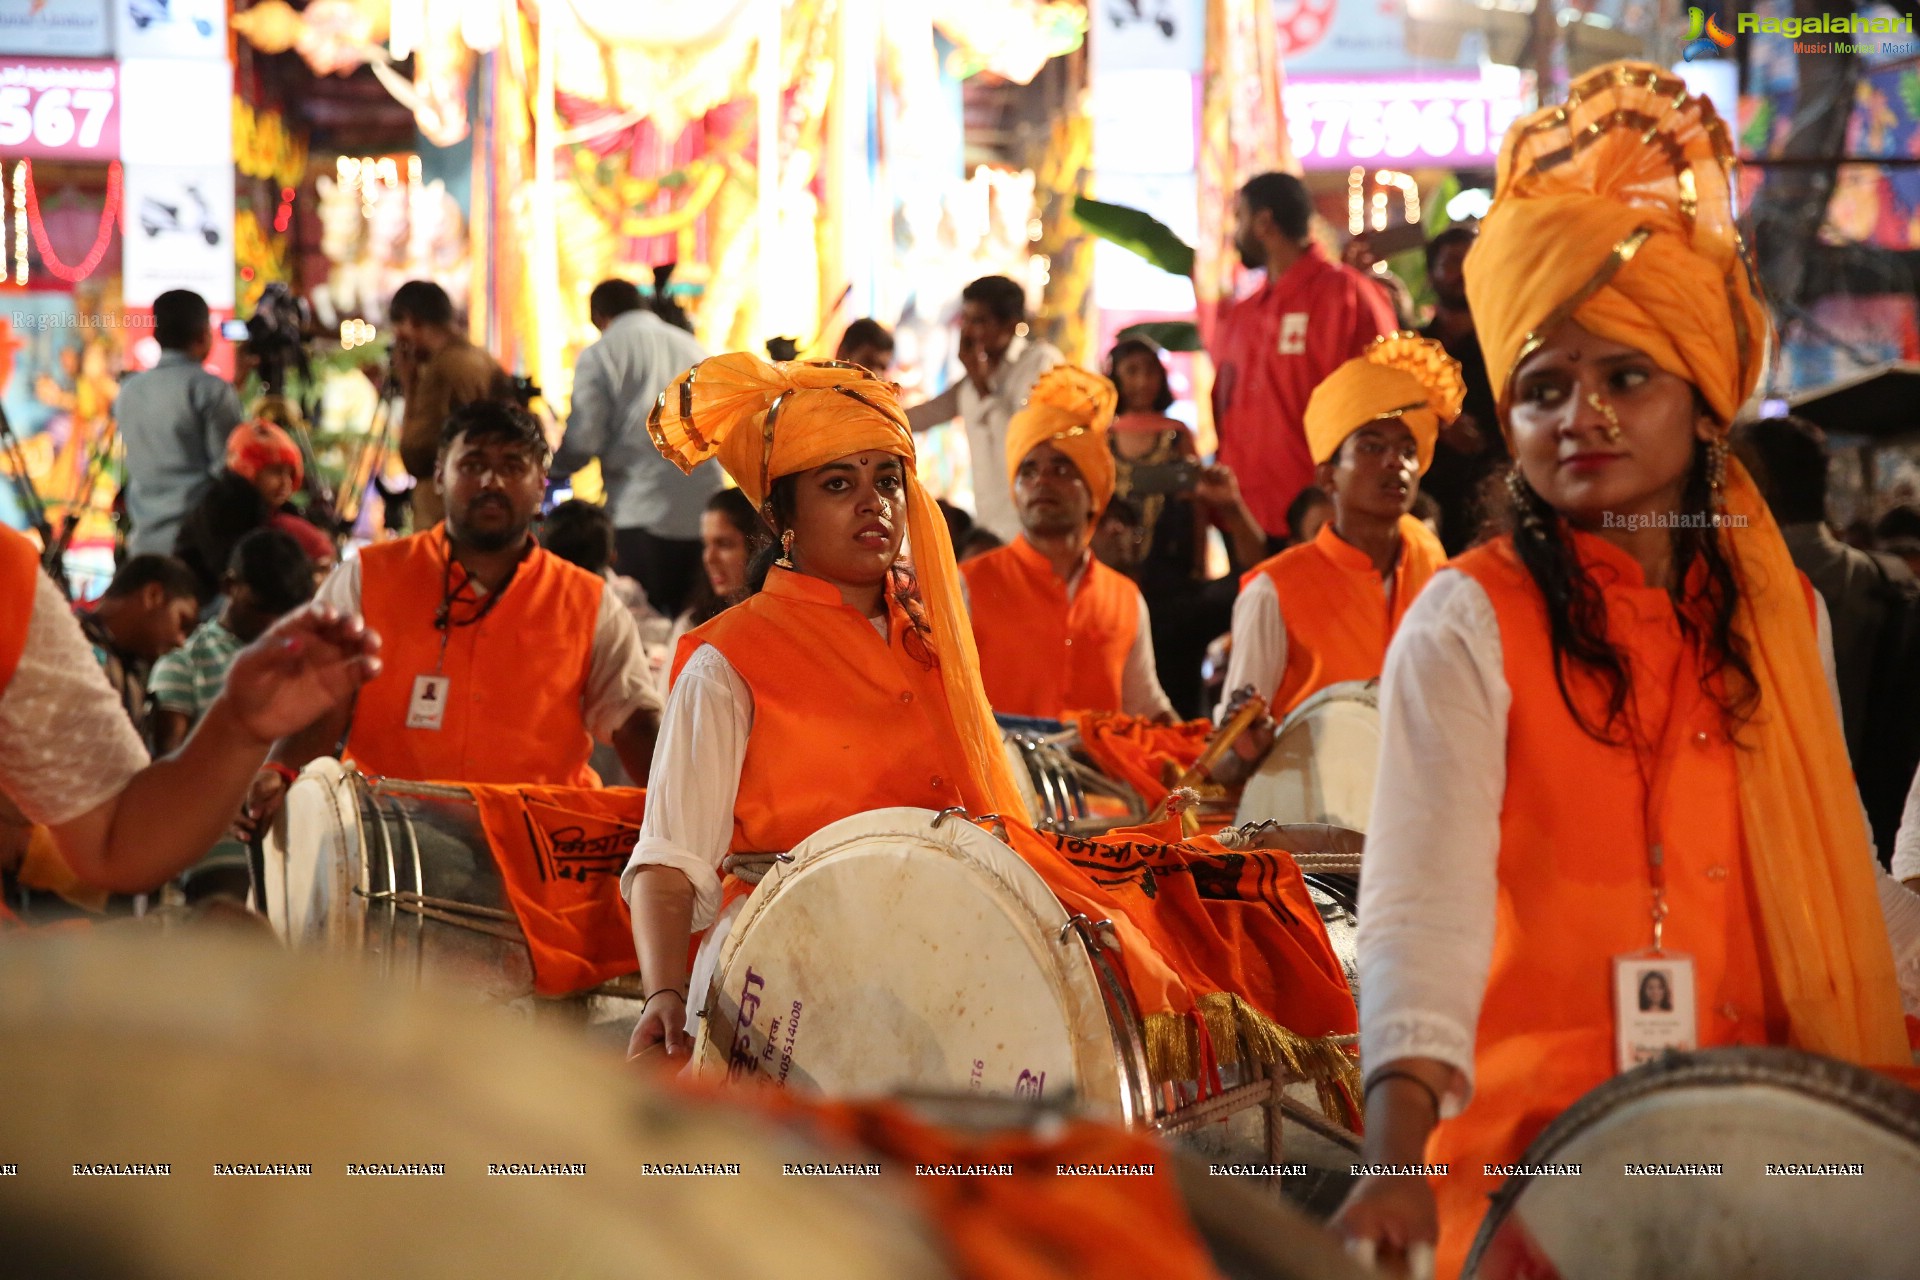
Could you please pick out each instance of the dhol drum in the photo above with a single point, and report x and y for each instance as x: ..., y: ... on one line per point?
x: 402, y: 872
x: 906, y: 951
x: 1062, y: 792
x: 262, y: 1080
x: 1322, y: 764
x: 1329, y: 861
x: 1760, y: 1163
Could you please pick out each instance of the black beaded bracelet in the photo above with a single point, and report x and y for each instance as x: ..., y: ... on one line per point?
x: 1395, y: 1073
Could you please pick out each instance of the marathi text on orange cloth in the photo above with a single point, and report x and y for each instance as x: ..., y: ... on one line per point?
x: 560, y: 851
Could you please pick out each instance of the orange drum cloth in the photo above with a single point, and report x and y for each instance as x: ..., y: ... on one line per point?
x: 19, y: 576
x: 1035, y: 1224
x: 1040, y: 653
x: 517, y: 677
x: 1335, y: 608
x: 1140, y: 753
x: 1225, y: 952
x: 1573, y: 893
x: 560, y: 851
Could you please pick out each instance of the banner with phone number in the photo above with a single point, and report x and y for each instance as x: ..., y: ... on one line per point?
x: 1410, y: 121
x: 58, y: 109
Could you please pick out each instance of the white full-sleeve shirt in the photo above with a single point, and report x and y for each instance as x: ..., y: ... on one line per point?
x: 1427, y: 900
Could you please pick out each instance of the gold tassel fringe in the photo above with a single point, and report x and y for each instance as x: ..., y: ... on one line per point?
x: 1241, y: 1033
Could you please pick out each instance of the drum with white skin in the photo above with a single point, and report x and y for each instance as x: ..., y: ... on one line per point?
x: 898, y: 952
x: 1818, y: 1174
x: 1322, y: 764
x: 401, y: 871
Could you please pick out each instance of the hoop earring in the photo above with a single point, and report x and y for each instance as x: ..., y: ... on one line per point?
x: 1522, y: 495
x: 786, y: 551
x: 1606, y: 411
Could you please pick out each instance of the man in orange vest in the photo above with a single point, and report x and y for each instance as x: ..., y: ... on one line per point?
x: 71, y: 761
x: 1322, y: 612
x: 504, y: 661
x: 1057, y: 630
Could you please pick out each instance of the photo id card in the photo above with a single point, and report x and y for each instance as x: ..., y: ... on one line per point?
x: 427, y: 708
x: 1653, y: 1006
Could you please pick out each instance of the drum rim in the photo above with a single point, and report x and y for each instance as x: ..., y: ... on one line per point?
x: 1362, y: 691
x: 1858, y: 1090
x: 1128, y: 1092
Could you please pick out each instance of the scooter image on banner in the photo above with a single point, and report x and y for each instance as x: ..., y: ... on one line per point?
x: 160, y: 218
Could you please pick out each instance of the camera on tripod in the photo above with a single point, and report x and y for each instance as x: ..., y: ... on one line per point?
x: 276, y: 336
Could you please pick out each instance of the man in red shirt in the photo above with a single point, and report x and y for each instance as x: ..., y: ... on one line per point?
x: 1271, y: 349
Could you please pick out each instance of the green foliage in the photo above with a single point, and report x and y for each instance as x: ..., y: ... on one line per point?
x: 1136, y: 232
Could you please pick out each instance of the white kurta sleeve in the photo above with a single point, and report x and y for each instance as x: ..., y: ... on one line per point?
x: 1906, y: 846
x: 1428, y: 897
x: 1899, y: 905
x: 1140, y: 691
x: 1259, y: 651
x: 619, y: 679
x: 694, y: 780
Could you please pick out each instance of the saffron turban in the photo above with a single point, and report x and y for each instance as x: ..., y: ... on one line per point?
x: 1399, y: 376
x: 765, y: 420
x: 1615, y: 210
x: 1070, y: 409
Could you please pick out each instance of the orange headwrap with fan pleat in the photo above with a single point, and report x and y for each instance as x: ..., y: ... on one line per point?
x: 1615, y: 211
x: 1401, y: 376
x: 764, y: 421
x: 1071, y: 410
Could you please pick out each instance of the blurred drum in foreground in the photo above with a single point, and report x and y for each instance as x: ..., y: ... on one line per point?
x: 1322, y: 764
x: 208, y: 1056
x: 1767, y: 1164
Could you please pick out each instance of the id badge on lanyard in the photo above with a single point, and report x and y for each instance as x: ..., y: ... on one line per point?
x: 1655, y: 1008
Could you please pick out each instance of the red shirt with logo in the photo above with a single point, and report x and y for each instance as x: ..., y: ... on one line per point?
x: 1270, y: 350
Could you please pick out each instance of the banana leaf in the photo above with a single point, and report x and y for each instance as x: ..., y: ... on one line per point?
x: 1168, y: 335
x: 1136, y: 232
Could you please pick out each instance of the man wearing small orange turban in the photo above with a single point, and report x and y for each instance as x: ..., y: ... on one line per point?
x: 1057, y: 630
x: 1322, y: 612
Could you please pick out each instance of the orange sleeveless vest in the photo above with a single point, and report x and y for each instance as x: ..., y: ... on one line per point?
x: 843, y: 722
x: 19, y: 578
x: 1573, y: 883
x: 1041, y: 654
x: 1336, y: 611
x: 517, y: 678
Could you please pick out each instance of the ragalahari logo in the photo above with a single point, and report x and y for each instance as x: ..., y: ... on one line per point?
x: 1705, y: 39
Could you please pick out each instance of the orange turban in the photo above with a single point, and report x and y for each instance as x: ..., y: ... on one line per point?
x: 1616, y: 210
x: 1071, y: 410
x: 254, y: 446
x: 1399, y: 375
x: 764, y: 421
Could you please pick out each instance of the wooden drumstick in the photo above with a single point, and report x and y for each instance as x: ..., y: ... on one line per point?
x: 1217, y: 747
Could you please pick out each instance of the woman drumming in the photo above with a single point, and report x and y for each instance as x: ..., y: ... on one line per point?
x: 825, y: 694
x: 1608, y: 746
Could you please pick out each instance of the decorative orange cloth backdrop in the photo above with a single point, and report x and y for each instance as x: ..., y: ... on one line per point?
x: 1139, y: 752
x: 560, y: 851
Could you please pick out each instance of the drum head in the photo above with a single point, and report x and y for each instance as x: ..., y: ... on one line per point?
x: 1743, y: 1110
x: 313, y: 856
x: 1322, y: 764
x: 893, y: 955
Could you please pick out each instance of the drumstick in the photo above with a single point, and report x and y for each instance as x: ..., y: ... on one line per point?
x: 1217, y: 746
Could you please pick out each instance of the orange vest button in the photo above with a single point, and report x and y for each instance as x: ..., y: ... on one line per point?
x: 1716, y: 873
x: 906, y: 697
x: 938, y: 781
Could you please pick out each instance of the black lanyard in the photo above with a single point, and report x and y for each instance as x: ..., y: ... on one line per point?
x: 443, y: 620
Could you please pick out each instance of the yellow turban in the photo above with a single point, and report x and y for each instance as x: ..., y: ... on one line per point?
x: 1399, y: 375
x: 1071, y: 410
x: 1616, y: 210
x: 764, y: 421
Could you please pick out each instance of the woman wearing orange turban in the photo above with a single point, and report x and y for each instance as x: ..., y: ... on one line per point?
x: 887, y: 707
x: 1609, y: 747
x: 1322, y: 612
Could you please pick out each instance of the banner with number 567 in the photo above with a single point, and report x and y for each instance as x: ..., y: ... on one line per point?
x: 59, y: 109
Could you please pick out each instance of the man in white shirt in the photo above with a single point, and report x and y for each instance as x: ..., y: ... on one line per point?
x: 1001, y: 366
x: 655, y: 509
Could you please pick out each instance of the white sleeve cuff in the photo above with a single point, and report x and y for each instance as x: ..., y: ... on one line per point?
x: 1415, y: 1033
